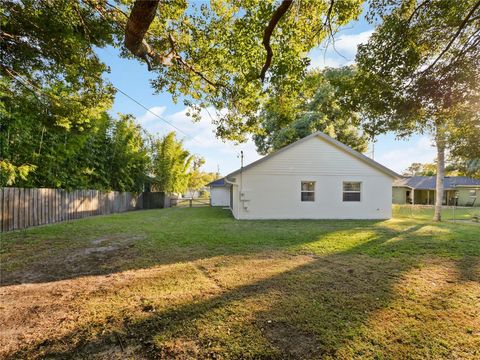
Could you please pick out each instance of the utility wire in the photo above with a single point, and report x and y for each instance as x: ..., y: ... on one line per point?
x: 156, y: 115
x: 35, y: 89
x: 24, y: 82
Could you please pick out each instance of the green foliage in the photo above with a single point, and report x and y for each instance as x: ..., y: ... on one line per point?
x: 128, y: 156
x: 47, y: 47
x: 170, y: 165
x: 455, y: 167
x: 419, y: 169
x: 322, y: 104
x: 54, y: 98
x: 197, y: 179
x: 222, y: 53
x: 9, y: 173
x: 420, y: 69
x: 108, y: 155
x: 420, y: 72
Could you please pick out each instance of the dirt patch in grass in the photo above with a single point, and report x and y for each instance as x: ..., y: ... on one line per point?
x: 93, y: 316
x: 194, y: 283
x: 95, y: 256
x: 272, y: 305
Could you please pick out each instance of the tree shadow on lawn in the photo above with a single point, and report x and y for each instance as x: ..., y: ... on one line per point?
x: 140, y: 240
x: 313, y: 310
x: 132, y: 241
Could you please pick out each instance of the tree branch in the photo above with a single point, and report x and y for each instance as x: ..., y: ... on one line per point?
x: 141, y: 16
x: 414, y: 12
x: 177, y: 57
x: 327, y: 21
x: 329, y: 13
x: 277, y: 15
x: 455, y: 36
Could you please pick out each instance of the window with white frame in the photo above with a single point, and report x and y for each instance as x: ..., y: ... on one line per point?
x: 472, y: 193
x: 352, y: 190
x: 308, y: 191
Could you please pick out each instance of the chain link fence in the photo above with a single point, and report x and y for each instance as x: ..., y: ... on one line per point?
x: 425, y: 212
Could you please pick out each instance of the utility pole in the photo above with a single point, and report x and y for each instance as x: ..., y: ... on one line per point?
x: 241, y: 171
x: 373, y: 148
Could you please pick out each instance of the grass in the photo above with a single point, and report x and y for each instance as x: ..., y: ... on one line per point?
x: 195, y: 283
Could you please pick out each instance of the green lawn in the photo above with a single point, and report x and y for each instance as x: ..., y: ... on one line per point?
x: 195, y: 283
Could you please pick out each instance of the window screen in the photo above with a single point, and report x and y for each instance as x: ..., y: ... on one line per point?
x: 351, y: 191
x: 308, y: 191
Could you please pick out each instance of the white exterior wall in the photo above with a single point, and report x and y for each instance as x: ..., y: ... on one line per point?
x: 220, y: 196
x: 235, y: 202
x: 271, y: 189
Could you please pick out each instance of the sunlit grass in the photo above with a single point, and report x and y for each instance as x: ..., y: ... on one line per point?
x: 195, y: 283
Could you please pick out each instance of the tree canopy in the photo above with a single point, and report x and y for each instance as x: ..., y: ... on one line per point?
x: 170, y: 165
x: 420, y: 72
x: 231, y: 55
x: 321, y: 104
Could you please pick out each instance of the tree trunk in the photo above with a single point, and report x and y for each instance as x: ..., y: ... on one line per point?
x: 440, y: 142
x: 141, y: 16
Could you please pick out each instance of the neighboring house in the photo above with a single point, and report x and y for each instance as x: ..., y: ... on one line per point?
x: 219, y: 193
x: 316, y: 177
x: 458, y: 190
x: 195, y: 194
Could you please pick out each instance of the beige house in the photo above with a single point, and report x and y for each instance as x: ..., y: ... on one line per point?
x: 316, y: 177
x: 459, y: 190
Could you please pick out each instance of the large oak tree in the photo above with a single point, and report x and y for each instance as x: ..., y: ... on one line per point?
x: 420, y: 72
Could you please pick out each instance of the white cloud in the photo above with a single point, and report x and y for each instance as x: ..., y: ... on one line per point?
x: 405, y: 153
x: 199, y: 138
x: 321, y: 62
x: 347, y: 44
x: 149, y: 117
x: 396, y: 155
x: 342, y: 54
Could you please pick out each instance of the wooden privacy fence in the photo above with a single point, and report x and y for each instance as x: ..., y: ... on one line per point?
x: 22, y: 208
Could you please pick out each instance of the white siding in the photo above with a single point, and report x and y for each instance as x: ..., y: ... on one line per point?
x: 220, y: 196
x: 271, y: 189
x: 314, y: 156
x: 236, y: 202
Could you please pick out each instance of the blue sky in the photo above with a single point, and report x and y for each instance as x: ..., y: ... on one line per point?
x: 132, y: 77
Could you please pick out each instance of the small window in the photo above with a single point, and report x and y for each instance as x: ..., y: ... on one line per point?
x: 472, y: 193
x: 351, y: 191
x: 308, y: 191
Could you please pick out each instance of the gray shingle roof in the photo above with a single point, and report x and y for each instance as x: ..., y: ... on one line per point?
x: 429, y: 182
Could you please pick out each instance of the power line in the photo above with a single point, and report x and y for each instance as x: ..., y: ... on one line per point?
x: 168, y: 122
x: 24, y: 82
x: 156, y: 115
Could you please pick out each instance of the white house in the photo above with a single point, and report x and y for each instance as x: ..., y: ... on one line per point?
x: 316, y: 177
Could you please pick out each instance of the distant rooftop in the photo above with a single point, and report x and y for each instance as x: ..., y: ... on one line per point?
x: 218, y: 183
x: 429, y: 182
